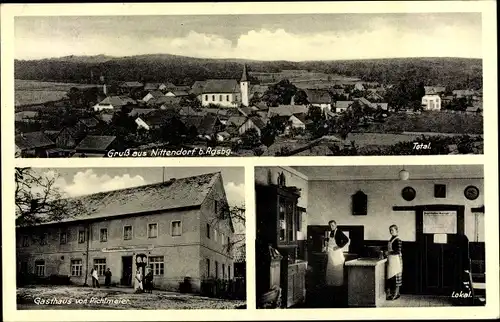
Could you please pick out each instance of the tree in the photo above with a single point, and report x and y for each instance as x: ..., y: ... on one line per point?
x: 318, y: 125
x: 300, y: 98
x: 250, y: 138
x: 235, y: 214
x: 279, y: 93
x: 39, y: 200
x: 173, y: 131
x: 268, y: 134
x: 75, y: 96
x: 278, y: 123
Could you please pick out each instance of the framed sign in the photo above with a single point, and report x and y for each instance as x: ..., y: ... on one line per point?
x: 440, y: 222
x: 359, y: 204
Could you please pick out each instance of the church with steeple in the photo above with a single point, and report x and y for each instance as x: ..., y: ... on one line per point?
x: 223, y: 92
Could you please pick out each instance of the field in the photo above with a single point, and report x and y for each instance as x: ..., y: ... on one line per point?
x: 303, y: 78
x: 436, y: 122
x: 29, y: 92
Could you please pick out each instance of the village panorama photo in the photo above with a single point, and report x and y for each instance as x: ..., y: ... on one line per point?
x: 248, y: 85
x: 130, y: 238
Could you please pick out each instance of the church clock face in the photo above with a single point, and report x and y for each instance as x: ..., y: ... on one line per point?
x: 471, y: 192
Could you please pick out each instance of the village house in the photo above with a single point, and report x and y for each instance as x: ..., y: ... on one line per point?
x: 252, y: 122
x: 113, y: 103
x: 26, y: 116
x: 179, y: 228
x: 96, y: 146
x: 296, y: 121
x: 223, y: 92
x: 177, y: 93
x: 431, y: 102
x: 131, y: 86
x: 155, y: 119
x: 155, y: 94
x: 317, y: 97
x: 34, y: 144
x: 342, y: 106
x: 69, y: 137
x: 287, y: 110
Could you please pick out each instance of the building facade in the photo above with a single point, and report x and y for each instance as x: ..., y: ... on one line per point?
x: 176, y: 228
x: 431, y: 103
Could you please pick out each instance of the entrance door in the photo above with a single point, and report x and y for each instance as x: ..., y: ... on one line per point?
x: 440, y: 236
x: 126, y: 271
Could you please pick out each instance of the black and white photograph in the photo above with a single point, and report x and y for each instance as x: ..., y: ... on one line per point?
x: 370, y: 236
x: 330, y: 84
x: 124, y: 238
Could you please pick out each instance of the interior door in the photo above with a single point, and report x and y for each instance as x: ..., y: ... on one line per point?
x: 439, y: 232
x: 126, y: 271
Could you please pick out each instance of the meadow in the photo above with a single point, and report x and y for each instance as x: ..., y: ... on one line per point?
x: 28, y: 92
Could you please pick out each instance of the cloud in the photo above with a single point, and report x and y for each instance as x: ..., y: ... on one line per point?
x: 88, y: 182
x: 381, y: 40
x: 235, y: 193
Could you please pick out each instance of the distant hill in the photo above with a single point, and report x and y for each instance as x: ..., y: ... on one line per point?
x: 452, y: 72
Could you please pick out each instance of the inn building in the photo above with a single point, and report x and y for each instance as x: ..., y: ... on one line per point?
x: 178, y: 227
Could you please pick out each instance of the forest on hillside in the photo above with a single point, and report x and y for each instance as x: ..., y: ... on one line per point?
x: 450, y: 72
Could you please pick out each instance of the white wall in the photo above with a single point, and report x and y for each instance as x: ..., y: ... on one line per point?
x: 332, y: 200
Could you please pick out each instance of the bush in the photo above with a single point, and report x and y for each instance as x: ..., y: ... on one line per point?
x: 228, y: 289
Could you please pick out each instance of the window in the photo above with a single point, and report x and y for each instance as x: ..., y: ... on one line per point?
x: 216, y: 208
x: 228, y: 244
x: 63, y: 237
x: 103, y: 235
x: 208, y: 231
x: 223, y: 271
x: 81, y: 236
x: 157, y: 265
x: 206, y: 97
x: 222, y: 239
x: 40, y: 268
x: 215, y: 234
x: 229, y: 272
x: 208, y: 267
x: 100, y: 265
x: 26, y: 241
x: 153, y: 230
x: 127, y: 232
x: 76, y: 267
x: 213, y: 98
x: 216, y: 269
x: 176, y: 228
x: 227, y: 98
x: 220, y: 98
x: 43, y: 239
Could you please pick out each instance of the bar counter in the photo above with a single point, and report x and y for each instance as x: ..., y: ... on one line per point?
x: 365, y: 282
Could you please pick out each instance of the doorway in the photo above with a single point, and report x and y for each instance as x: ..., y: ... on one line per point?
x: 443, y: 252
x: 126, y: 271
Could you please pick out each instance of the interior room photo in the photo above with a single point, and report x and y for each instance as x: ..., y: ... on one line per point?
x: 370, y: 236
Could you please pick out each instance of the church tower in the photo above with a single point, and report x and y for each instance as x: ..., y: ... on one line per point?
x: 244, y: 84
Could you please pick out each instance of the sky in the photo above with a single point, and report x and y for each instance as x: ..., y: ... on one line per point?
x: 295, y: 37
x: 73, y: 182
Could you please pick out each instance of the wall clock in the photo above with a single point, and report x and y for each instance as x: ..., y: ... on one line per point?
x: 471, y: 192
x: 408, y: 193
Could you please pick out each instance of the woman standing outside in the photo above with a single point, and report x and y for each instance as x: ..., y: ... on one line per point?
x: 394, y: 264
x: 138, y: 281
x: 335, y: 263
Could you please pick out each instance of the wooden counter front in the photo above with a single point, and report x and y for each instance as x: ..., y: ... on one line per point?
x: 365, y: 282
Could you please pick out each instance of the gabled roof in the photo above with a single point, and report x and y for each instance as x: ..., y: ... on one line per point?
x: 257, y: 121
x: 151, y: 86
x: 287, y: 110
x: 163, y: 196
x: 52, y: 135
x: 32, y: 140
x: 96, y: 142
x: 192, y: 120
x: 117, y: 101
x: 434, y: 89
x: 188, y: 110
x: 156, y: 93
x: 197, y: 87
x: 207, y: 124
x: 236, y: 120
x: 24, y: 115
x: 168, y: 100
x: 141, y: 111
x: 89, y: 122
x: 463, y: 92
x: 318, y: 96
x: 158, y: 117
x: 179, y: 93
x: 343, y: 104
x: 213, y: 86
x: 300, y: 116
x: 131, y: 84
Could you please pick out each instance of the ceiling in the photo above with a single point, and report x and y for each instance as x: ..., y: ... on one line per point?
x: 340, y: 173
